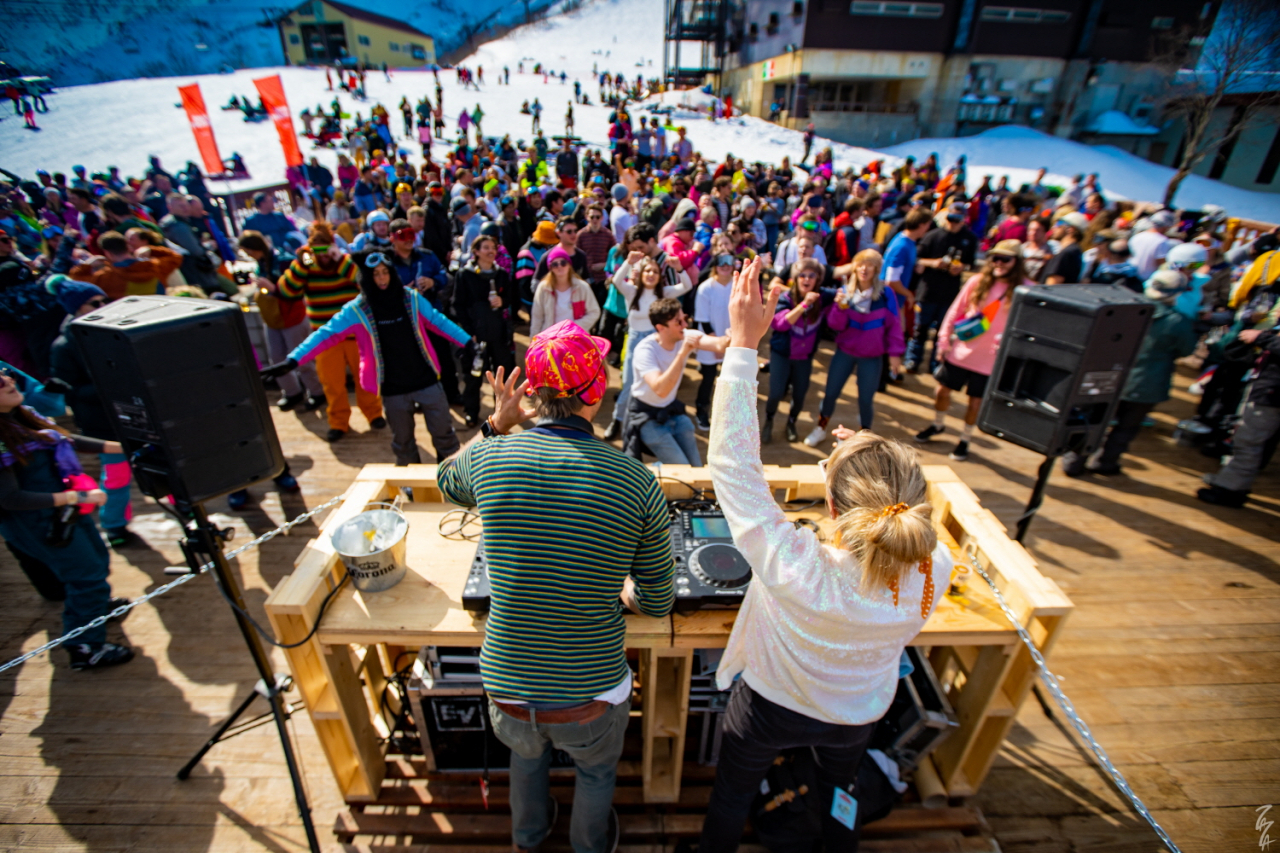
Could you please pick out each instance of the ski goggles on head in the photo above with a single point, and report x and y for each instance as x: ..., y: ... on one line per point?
x: 374, y: 259
x: 809, y: 225
x: 404, y: 234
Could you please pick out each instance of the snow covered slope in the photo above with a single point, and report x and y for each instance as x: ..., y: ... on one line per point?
x: 76, y: 43
x: 1020, y: 151
x: 121, y: 122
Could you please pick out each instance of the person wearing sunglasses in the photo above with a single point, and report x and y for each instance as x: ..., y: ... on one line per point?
x: 326, y: 279
x: 969, y: 338
x: 1067, y: 265
x: 561, y: 295
x: 393, y: 328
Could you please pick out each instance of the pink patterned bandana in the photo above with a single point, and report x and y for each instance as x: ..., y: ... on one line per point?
x: 568, y: 359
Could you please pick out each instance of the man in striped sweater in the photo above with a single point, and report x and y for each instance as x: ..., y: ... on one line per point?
x: 573, y: 529
x: 326, y: 279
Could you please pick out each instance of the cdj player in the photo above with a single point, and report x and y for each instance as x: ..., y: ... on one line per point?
x: 710, y: 572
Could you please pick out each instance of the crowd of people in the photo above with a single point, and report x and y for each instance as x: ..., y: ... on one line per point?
x: 416, y: 278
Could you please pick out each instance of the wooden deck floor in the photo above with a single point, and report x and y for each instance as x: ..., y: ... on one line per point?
x: 1172, y: 656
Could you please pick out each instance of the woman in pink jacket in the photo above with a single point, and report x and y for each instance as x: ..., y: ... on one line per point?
x: 969, y: 338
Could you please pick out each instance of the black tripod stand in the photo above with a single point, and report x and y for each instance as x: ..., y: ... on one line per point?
x: 1037, y: 497
x: 203, y: 544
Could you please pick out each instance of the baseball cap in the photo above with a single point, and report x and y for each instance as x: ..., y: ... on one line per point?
x: 402, y: 187
x: 1163, y: 219
x: 686, y: 224
x: 1075, y: 220
x: 377, y: 216
x: 566, y: 358
x: 459, y: 205
x: 1012, y: 248
x: 259, y: 198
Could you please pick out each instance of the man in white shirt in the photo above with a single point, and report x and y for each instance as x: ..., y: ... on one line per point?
x: 711, y: 316
x: 655, y: 418
x: 1147, y: 249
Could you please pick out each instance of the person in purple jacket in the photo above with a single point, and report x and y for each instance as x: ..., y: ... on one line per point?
x: 867, y: 326
x: 793, y: 343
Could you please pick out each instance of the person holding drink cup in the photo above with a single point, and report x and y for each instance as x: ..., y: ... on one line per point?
x: 866, y: 321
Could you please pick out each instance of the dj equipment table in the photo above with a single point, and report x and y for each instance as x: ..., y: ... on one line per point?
x: 342, y: 670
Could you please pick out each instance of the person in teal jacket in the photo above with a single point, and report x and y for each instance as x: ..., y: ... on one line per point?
x: 1171, y: 336
x: 392, y: 325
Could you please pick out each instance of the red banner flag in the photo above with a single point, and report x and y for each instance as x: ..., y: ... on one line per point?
x: 198, y: 116
x: 272, y: 92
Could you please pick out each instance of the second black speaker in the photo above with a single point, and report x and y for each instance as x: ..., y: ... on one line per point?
x: 1063, y: 361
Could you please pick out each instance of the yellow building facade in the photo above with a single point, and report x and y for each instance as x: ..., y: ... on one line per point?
x: 322, y: 32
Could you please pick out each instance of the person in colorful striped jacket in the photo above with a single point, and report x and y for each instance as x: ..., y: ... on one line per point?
x: 391, y: 327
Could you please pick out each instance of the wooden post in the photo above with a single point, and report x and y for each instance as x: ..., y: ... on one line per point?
x: 665, y: 679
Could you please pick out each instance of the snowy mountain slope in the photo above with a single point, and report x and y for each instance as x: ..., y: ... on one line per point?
x: 91, y: 42
x: 121, y: 122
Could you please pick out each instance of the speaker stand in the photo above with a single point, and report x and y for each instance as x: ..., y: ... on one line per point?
x: 1037, y: 498
x: 204, y: 544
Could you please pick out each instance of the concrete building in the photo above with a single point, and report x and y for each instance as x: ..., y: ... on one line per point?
x: 878, y: 72
x: 323, y: 32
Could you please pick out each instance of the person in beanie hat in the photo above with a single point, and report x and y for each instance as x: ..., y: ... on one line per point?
x: 393, y: 327
x: 562, y: 295
x: 72, y: 379
x: 553, y: 662
x: 1171, y: 336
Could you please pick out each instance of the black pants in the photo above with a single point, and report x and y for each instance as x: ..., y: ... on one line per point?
x: 497, y: 354
x: 1129, y: 417
x: 755, y: 731
x: 448, y: 367
x: 706, y: 388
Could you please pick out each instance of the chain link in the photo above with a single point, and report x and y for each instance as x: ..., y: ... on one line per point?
x: 1051, y: 681
x: 125, y: 608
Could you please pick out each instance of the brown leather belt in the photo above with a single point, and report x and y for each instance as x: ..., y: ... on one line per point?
x: 585, y: 713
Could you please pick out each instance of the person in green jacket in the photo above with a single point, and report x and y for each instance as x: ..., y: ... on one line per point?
x: 1171, y: 336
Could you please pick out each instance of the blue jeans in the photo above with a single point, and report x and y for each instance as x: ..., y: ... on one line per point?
x: 930, y: 317
x: 628, y: 373
x: 673, y: 443
x: 594, y: 747
x: 842, y: 367
x: 770, y: 237
x: 786, y: 371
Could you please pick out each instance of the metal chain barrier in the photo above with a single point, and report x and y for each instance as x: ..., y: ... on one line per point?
x: 125, y: 608
x: 1051, y: 681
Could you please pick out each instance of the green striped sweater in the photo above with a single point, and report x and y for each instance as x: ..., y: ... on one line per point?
x: 566, y: 519
x: 325, y: 291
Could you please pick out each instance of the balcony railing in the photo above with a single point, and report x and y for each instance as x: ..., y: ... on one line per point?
x: 908, y: 108
x: 986, y: 113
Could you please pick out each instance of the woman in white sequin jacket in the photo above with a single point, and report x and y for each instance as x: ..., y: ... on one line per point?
x: 813, y: 658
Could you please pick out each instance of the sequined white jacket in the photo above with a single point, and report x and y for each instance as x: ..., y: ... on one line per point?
x: 806, y: 638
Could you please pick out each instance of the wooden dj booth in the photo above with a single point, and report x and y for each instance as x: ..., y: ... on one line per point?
x: 342, y: 670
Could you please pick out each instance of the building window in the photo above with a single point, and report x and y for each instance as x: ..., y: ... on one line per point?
x: 1270, y: 163
x: 1020, y: 15
x: 896, y: 10
x: 395, y: 47
x: 418, y: 51
x: 1162, y: 23
x: 364, y: 40
x: 293, y: 39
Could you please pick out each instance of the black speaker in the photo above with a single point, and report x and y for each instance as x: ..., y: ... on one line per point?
x: 1066, y: 352
x: 179, y: 377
